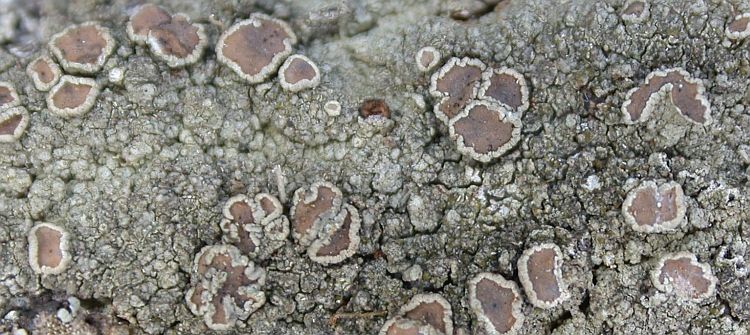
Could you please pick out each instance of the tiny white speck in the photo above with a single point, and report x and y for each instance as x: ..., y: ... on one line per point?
x: 592, y: 183
x: 116, y: 75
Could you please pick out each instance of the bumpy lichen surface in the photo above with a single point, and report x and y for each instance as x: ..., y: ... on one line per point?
x: 138, y: 182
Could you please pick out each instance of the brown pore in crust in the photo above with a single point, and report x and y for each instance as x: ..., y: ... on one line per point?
x: 49, y: 252
x: 483, y: 130
x: 268, y: 206
x: 404, y: 327
x: 71, y: 95
x: 241, y: 213
x: 298, y: 70
x: 423, y: 314
x: 9, y: 125
x: 507, y: 87
x: 256, y: 226
x: 171, y: 38
x: 737, y: 28
x: 6, y: 96
x: 148, y: 16
x: 178, y: 37
x: 541, y: 267
x: 298, y: 73
x: 738, y: 25
x: 681, y: 274
x: 242, y: 218
x: 497, y: 304
x: 685, y: 93
x: 234, y: 280
x: 255, y: 49
x: 648, y: 210
x: 13, y: 124
x: 49, y: 248
x: 84, y: 44
x: 339, y: 240
x: 43, y: 71
x: 431, y: 313
x: 305, y: 214
x: 459, y: 84
x: 234, y: 285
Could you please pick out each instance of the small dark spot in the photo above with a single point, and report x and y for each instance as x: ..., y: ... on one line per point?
x: 378, y: 254
x: 374, y: 107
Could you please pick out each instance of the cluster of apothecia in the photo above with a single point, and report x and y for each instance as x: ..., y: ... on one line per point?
x: 482, y: 107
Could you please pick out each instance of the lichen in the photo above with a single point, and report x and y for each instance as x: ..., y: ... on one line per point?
x: 139, y: 181
x: 540, y: 271
x: 254, y: 48
x: 82, y: 48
